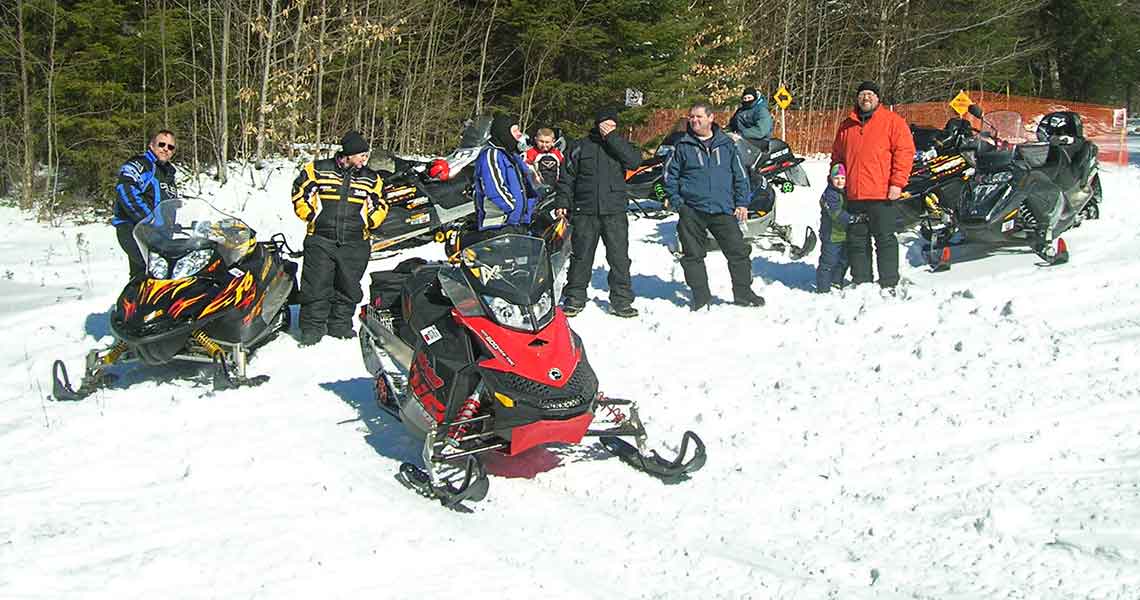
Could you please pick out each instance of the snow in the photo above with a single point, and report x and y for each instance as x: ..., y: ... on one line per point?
x: 977, y: 436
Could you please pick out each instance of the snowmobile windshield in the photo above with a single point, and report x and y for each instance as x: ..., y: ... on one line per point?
x: 179, y: 227
x: 507, y: 277
x: 476, y: 132
x: 1005, y: 125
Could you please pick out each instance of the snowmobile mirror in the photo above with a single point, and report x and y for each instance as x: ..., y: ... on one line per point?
x: 975, y: 110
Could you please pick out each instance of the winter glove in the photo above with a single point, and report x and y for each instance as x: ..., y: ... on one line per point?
x: 858, y: 218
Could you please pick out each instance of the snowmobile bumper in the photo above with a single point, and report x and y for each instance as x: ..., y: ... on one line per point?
x: 569, y: 431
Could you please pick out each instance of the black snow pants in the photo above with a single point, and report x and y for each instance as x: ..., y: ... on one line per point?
x: 330, y: 285
x: 693, y: 228
x: 613, y: 231
x: 882, y: 222
x: 126, y: 235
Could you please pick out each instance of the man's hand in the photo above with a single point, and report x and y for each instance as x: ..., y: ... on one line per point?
x: 559, y: 213
x: 606, y: 127
x: 741, y: 213
x: 894, y: 192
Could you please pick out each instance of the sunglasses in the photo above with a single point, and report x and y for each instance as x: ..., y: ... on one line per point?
x: 165, y: 145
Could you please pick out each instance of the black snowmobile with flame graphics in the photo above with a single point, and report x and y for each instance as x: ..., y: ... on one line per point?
x: 211, y: 294
x: 475, y: 356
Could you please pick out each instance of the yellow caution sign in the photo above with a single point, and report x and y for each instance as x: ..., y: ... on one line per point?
x: 783, y: 97
x: 961, y: 103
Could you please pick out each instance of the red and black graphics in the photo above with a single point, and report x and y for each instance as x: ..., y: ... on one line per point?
x: 542, y: 375
x: 227, y: 303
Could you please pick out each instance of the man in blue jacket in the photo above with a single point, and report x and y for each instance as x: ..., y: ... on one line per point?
x: 707, y: 184
x: 505, y: 197
x: 752, y: 121
x: 144, y: 181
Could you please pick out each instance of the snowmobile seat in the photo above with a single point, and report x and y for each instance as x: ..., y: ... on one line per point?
x: 453, y: 192
x: 386, y: 286
x: 1035, y: 155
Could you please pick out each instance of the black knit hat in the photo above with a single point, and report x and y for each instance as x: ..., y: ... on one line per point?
x: 749, y: 91
x: 608, y: 113
x: 353, y: 143
x: 868, y: 86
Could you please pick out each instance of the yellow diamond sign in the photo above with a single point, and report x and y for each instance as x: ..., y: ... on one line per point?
x: 783, y: 98
x: 961, y: 102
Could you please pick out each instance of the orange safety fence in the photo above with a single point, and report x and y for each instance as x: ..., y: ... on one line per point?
x: 813, y: 131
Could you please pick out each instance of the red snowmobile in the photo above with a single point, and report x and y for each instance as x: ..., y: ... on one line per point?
x: 475, y: 356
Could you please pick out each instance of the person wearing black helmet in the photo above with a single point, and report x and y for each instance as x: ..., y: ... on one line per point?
x: 594, y: 184
x: 505, y: 197
x: 340, y: 201
x: 752, y: 120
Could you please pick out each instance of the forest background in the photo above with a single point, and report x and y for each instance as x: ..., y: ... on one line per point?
x: 84, y: 83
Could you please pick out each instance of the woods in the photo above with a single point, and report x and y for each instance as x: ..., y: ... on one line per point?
x: 82, y: 83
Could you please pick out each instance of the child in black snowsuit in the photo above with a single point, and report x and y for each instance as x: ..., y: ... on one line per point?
x: 834, y: 220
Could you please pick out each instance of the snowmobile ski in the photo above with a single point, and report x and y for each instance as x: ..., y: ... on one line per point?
x: 939, y: 260
x: 472, y: 483
x: 668, y: 471
x: 1054, y: 253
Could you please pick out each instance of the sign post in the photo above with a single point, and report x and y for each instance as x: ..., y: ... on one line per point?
x: 783, y: 99
x: 961, y: 103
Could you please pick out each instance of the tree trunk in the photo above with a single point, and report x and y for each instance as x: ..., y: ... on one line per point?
x: 320, y: 77
x: 165, y: 86
x: 223, y: 96
x: 483, y: 60
x: 26, y: 184
x: 266, y: 57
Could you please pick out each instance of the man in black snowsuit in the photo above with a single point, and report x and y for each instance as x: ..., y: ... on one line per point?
x: 144, y: 181
x: 341, y: 200
x: 594, y: 184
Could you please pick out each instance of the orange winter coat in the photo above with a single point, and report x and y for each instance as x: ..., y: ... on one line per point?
x: 877, y: 154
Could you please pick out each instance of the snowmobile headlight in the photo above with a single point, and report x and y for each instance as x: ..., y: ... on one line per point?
x: 541, y: 309
x: 191, y: 264
x: 157, y: 266
x: 510, y: 315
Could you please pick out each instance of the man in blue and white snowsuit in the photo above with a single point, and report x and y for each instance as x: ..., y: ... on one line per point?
x: 505, y: 197
x: 144, y: 181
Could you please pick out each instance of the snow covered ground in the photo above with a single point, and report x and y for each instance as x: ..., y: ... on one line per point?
x: 977, y: 436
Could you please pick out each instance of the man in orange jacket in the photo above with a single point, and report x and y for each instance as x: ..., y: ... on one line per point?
x: 876, y: 146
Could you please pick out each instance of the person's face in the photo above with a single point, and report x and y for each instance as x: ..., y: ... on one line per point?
x: 700, y: 121
x: 543, y: 143
x: 747, y: 98
x: 839, y: 181
x: 163, y: 147
x: 867, y: 100
x: 357, y: 160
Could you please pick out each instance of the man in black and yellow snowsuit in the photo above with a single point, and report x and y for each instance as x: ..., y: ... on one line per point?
x: 341, y: 201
